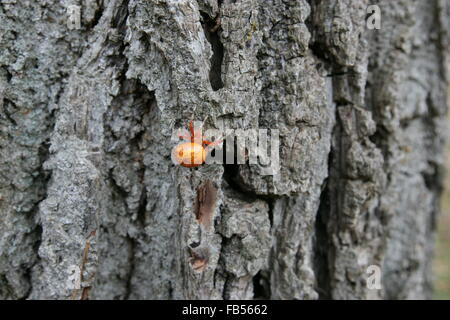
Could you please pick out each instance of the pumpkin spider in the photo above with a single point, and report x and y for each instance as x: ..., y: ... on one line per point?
x: 192, y: 154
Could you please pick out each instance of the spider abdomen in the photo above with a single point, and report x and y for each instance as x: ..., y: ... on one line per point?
x: 189, y: 154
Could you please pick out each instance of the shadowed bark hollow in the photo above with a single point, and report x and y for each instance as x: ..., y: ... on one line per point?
x: 87, y: 182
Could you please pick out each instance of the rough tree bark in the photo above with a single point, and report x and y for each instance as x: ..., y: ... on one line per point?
x: 86, y: 120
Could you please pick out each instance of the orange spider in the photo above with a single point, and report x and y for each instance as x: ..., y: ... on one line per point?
x: 192, y: 154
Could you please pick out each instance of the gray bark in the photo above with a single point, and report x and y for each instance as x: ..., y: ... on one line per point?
x: 86, y: 120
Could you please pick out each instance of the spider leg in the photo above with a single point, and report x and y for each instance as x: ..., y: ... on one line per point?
x: 191, y: 129
x: 196, y: 135
x: 212, y: 144
x: 184, y: 134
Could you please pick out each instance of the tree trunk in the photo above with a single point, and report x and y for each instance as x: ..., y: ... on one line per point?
x: 87, y: 182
